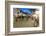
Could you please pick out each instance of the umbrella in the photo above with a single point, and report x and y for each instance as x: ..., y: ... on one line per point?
x: 26, y: 10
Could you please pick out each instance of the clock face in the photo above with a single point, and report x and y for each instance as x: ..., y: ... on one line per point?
x: 25, y: 17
